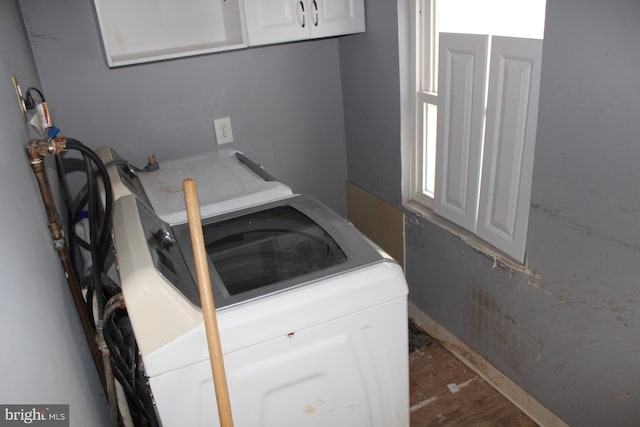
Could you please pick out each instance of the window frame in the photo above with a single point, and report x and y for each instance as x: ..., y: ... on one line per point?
x: 418, y: 90
x: 424, y: 50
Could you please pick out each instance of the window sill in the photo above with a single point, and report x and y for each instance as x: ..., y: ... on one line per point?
x: 500, y: 259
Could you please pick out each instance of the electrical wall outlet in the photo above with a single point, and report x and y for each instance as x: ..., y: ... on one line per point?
x: 224, y: 134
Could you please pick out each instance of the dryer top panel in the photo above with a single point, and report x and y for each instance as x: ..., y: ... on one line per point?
x: 226, y: 181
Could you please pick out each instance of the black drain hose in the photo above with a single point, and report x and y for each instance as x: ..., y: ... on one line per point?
x: 104, y: 229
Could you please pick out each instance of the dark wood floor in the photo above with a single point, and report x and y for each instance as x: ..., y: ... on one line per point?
x: 445, y: 392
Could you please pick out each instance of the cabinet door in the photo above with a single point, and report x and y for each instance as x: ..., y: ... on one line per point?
x: 275, y: 21
x: 336, y: 17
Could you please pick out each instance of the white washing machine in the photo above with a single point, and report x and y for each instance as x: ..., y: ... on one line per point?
x: 312, y: 316
x: 227, y: 180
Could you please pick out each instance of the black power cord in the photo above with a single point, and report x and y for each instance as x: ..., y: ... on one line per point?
x: 29, y: 102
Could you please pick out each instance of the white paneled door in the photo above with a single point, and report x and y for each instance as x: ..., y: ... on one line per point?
x: 512, y: 112
x: 462, y: 76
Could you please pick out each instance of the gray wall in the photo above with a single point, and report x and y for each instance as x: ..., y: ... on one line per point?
x: 569, y: 335
x: 285, y: 101
x: 370, y: 79
x: 44, y: 358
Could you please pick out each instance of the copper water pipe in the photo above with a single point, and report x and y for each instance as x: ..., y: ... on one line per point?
x: 36, y: 151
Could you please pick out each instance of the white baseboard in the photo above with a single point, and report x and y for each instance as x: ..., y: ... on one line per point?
x: 527, y: 404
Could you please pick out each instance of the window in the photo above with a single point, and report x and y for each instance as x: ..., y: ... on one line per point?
x: 474, y: 75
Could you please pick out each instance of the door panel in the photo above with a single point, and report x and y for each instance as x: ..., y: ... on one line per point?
x: 460, y: 109
x: 512, y: 109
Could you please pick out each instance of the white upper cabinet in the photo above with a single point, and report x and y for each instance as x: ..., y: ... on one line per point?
x: 278, y: 21
x: 152, y: 30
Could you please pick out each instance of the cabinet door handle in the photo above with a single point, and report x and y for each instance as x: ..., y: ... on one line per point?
x: 304, y: 15
x: 315, y: 13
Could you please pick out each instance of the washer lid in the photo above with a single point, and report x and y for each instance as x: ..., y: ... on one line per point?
x: 226, y: 181
x: 271, y: 248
